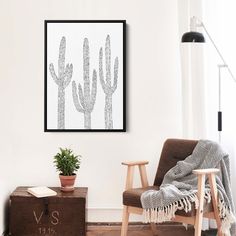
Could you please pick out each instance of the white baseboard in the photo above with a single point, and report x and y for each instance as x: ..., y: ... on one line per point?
x: 109, y: 215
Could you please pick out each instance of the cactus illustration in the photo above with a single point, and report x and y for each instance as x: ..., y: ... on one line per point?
x: 62, y: 80
x: 107, y: 86
x: 85, y: 101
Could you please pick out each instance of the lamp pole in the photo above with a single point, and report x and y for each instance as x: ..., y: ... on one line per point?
x: 194, y: 23
x: 219, y: 103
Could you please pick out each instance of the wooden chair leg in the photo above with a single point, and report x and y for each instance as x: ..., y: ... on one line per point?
x: 154, y: 228
x: 212, y: 182
x: 125, y: 221
x: 199, y: 215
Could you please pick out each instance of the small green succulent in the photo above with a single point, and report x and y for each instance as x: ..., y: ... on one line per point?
x: 66, y: 162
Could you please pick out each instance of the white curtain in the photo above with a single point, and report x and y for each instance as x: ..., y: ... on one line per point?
x: 200, y: 75
x: 193, y: 83
x: 220, y: 19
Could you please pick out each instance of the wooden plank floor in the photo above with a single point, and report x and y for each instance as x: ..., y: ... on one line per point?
x: 139, y: 230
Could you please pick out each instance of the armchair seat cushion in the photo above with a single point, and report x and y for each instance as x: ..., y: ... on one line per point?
x: 131, y: 197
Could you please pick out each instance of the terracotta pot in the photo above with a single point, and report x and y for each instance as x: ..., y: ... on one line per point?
x: 67, y: 183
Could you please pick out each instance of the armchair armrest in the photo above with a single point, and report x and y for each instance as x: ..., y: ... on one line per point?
x: 211, y: 175
x: 134, y: 163
x: 206, y: 171
x: 201, y: 175
x: 130, y: 173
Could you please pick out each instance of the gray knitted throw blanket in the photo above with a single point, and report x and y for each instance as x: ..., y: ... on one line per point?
x: 179, y: 188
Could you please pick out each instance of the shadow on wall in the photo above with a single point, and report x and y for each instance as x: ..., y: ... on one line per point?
x: 127, y: 76
x: 6, y: 218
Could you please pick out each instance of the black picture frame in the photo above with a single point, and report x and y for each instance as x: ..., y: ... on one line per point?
x: 46, y: 128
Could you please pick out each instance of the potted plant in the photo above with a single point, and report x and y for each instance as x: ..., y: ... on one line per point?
x: 67, y: 163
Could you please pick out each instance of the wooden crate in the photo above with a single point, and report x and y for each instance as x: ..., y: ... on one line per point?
x: 61, y: 215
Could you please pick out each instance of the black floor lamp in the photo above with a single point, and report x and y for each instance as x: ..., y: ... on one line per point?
x: 196, y: 37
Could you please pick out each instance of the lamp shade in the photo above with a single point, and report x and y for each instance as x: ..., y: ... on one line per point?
x: 193, y: 37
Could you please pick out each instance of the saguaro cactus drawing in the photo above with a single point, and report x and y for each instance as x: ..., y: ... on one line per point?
x: 62, y: 80
x: 108, y: 88
x: 86, y: 100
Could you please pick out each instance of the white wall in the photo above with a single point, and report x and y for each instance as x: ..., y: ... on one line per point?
x: 153, y: 92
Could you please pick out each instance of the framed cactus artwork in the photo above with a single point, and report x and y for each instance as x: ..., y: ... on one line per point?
x: 85, y: 76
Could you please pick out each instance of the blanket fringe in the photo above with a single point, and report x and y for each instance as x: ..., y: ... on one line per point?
x: 166, y: 213
x: 226, y: 216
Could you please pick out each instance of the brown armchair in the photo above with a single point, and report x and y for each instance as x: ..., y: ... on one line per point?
x: 173, y: 151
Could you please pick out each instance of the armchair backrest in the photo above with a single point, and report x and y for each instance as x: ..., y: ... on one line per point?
x: 173, y: 150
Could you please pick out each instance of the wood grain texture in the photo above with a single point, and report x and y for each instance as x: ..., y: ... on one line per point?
x: 139, y: 230
x: 212, y: 181
x: 199, y: 216
x: 125, y: 221
x: 134, y: 163
x: 61, y: 215
x: 206, y: 171
x: 130, y: 177
x: 77, y: 193
x: 143, y: 175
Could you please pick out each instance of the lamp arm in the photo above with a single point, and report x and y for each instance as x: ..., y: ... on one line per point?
x: 218, y: 51
x: 194, y: 23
